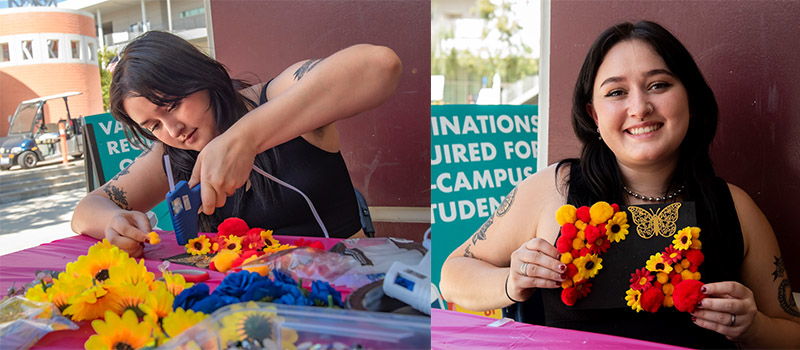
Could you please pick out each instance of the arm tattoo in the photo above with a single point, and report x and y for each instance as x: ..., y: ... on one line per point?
x: 305, y: 68
x: 468, y: 254
x: 117, y: 195
x: 785, y: 297
x: 122, y: 172
x: 506, y: 204
x: 480, y: 235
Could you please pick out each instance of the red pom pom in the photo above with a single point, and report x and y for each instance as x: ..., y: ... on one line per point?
x: 575, y: 253
x: 657, y: 285
x: 675, y: 279
x: 583, y: 214
x: 592, y: 233
x: 603, y: 229
x: 615, y: 206
x: 212, y: 266
x: 687, y: 294
x: 652, y: 299
x: 569, y: 230
x: 569, y: 296
x: 584, y: 252
x: 563, y: 244
x: 233, y: 226
x: 572, y: 270
x: 696, y: 257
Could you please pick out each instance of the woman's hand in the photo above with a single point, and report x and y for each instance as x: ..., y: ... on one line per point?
x: 729, y: 309
x: 128, y: 231
x: 222, y: 167
x: 535, y: 264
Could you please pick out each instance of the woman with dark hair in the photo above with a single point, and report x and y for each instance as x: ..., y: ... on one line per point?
x: 215, y: 128
x: 646, y: 118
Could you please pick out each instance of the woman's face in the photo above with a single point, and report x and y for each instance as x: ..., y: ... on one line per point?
x: 189, y: 124
x: 640, y: 107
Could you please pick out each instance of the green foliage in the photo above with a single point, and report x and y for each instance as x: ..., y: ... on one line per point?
x: 104, y: 55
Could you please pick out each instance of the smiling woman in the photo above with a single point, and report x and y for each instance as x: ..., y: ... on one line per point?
x: 215, y: 129
x: 645, y: 117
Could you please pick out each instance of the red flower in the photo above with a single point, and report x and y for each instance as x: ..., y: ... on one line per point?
x: 569, y: 230
x: 671, y: 255
x: 696, y: 257
x: 652, y: 299
x: 569, y: 296
x: 641, y: 279
x: 563, y: 244
x: 233, y: 226
x: 600, y: 245
x: 583, y: 288
x: 583, y: 214
x: 592, y: 233
x: 687, y: 294
x: 308, y: 243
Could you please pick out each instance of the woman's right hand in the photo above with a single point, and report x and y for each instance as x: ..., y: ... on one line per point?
x: 128, y: 230
x: 535, y: 264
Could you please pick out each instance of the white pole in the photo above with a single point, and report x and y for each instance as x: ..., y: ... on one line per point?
x: 169, y: 15
x: 144, y: 17
x: 100, y: 29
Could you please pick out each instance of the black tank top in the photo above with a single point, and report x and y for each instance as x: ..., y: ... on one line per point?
x: 723, y: 248
x: 321, y: 175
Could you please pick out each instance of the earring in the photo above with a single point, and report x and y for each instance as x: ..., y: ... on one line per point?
x: 599, y: 137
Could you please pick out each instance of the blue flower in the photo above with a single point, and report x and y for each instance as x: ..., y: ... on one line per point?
x: 237, y: 284
x: 190, y: 296
x: 293, y: 299
x: 213, y: 302
x: 320, y: 290
x: 260, y: 290
x: 283, y: 277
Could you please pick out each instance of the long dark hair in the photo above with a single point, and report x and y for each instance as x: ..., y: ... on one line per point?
x: 164, y: 68
x: 601, y: 178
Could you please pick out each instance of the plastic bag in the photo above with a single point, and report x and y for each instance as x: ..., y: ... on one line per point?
x: 23, y: 322
x: 306, y: 263
x: 376, y: 256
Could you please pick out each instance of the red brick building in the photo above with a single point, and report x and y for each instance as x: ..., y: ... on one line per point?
x: 47, y: 51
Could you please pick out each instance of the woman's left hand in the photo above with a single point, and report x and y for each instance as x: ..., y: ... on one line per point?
x: 729, y: 309
x: 222, y: 167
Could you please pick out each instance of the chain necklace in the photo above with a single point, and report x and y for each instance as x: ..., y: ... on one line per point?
x: 654, y: 199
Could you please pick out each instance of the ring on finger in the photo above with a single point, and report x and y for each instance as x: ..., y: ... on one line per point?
x: 733, y: 320
x: 523, y: 269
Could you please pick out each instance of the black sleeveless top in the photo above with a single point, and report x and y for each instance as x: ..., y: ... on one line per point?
x: 723, y: 248
x: 321, y: 175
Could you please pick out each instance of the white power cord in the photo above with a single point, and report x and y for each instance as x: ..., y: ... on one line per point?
x: 284, y: 184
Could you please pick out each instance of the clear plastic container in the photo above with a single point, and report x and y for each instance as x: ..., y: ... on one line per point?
x: 277, y: 326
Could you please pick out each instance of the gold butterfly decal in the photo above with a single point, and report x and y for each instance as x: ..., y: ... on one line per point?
x: 662, y: 222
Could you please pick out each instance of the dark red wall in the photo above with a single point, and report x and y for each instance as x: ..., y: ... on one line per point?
x: 386, y: 149
x: 748, y: 52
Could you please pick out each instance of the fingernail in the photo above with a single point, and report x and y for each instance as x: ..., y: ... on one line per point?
x: 563, y: 276
x: 558, y: 284
x: 700, y: 303
x: 559, y: 256
x: 694, y: 319
x: 703, y: 289
x: 562, y: 267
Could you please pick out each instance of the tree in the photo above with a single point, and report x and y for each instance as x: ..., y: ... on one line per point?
x: 104, y: 56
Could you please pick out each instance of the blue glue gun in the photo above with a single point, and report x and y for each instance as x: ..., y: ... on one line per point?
x: 184, y: 203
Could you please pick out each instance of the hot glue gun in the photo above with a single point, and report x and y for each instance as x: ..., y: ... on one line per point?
x: 183, y: 203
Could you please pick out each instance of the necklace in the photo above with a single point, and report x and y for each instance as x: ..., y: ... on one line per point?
x: 654, y: 199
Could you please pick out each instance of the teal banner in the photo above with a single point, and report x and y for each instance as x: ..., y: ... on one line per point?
x: 115, y: 152
x: 479, y: 153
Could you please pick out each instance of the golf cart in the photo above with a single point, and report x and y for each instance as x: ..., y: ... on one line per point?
x: 31, y: 140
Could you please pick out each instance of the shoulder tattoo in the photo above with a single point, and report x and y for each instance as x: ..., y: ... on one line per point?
x: 117, y: 195
x: 480, y: 235
x: 306, y: 67
x: 785, y: 297
x: 121, y: 173
x: 506, y: 204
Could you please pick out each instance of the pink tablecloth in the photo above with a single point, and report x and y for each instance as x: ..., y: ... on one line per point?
x: 20, y: 268
x: 456, y: 330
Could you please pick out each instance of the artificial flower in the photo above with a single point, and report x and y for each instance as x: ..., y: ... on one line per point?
x: 277, y: 248
x: 687, y: 294
x: 95, y: 264
x: 262, y: 270
x: 233, y: 226
x: 191, y: 296
x: 128, y: 271
x: 588, y: 265
x: 683, y: 239
x: 599, y: 245
x: 198, y: 246
x: 92, y: 302
x: 269, y: 241
x: 657, y: 264
x: 566, y: 214
x: 617, y: 227
x: 252, y: 240
x: 633, y: 297
x: 131, y: 296
x: 158, y: 305
x: 322, y: 293
x: 672, y: 255
x: 37, y: 293
x: 233, y: 243
x: 248, y: 322
x: 180, y: 320
x: 308, y: 243
x: 213, y: 302
x: 119, y: 333
x: 153, y: 238
x: 175, y: 282
x: 641, y: 279
x: 600, y: 212
x: 237, y: 283
x: 583, y: 288
x: 652, y: 299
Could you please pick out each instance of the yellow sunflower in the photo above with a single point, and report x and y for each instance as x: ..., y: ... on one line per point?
x: 269, y: 241
x: 566, y: 214
x: 600, y: 212
x: 36, y: 293
x: 656, y: 263
x: 277, y: 248
x: 158, y: 305
x: 634, y: 299
x: 174, y: 282
x: 92, y: 302
x: 683, y: 239
x: 119, y: 333
x: 617, y: 227
x: 64, y: 287
x: 128, y: 271
x: 180, y: 320
x: 251, y: 322
x: 198, y: 246
x: 261, y: 270
x: 131, y: 296
x: 98, y: 260
x: 233, y: 243
x: 588, y: 265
